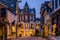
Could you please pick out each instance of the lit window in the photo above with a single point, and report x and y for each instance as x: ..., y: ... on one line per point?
x: 32, y: 26
x: 46, y: 30
x: 37, y: 26
x: 54, y: 27
x: 31, y: 32
x: 26, y: 25
x: 13, y: 29
x: 21, y: 25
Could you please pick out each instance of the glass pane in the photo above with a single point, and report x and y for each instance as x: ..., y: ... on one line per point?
x: 3, y: 12
x: 59, y: 2
x: 56, y: 3
x: 52, y: 4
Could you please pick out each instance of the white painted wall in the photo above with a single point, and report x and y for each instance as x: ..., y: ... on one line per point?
x: 11, y: 17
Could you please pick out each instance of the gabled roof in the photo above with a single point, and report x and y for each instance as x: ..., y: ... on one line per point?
x: 11, y: 6
x: 4, y: 5
x: 29, y: 10
x: 26, y: 4
x: 7, y: 7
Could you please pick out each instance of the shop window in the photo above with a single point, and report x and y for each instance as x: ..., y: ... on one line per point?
x: 54, y: 29
x: 13, y: 30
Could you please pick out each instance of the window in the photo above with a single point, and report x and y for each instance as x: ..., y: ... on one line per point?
x: 21, y: 12
x: 59, y: 2
x: 3, y: 12
x: 26, y: 17
x: 37, y: 25
x: 52, y: 4
x: 13, y: 29
x: 26, y: 25
x: 56, y: 3
x: 22, y: 17
x: 33, y: 18
x: 32, y: 11
x: 32, y: 26
x: 21, y: 25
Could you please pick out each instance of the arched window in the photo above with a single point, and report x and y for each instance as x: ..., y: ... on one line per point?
x: 21, y: 25
x: 37, y: 25
x: 32, y: 26
x: 26, y: 25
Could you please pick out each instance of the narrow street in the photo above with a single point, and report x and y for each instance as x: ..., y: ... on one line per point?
x: 29, y: 38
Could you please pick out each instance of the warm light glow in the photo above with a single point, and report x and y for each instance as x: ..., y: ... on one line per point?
x: 8, y: 32
x: 37, y: 26
x: 26, y: 25
x: 13, y: 29
x: 31, y: 32
x: 46, y: 30
x: 20, y: 31
x: 54, y: 27
x: 0, y: 32
x: 21, y: 26
x: 32, y: 25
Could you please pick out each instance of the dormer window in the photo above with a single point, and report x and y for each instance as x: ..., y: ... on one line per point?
x: 32, y: 11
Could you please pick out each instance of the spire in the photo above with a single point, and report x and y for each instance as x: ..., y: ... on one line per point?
x: 26, y: 4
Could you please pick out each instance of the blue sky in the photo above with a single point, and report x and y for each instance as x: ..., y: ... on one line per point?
x: 33, y: 4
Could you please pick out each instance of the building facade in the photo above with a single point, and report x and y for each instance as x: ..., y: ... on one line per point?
x: 27, y: 24
x: 55, y: 16
x: 6, y: 8
x: 19, y: 22
x: 45, y: 18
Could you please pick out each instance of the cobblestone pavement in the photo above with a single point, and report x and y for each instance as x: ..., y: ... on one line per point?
x: 36, y: 38
x: 29, y: 38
